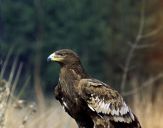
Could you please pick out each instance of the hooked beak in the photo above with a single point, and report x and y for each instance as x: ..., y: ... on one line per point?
x: 54, y: 57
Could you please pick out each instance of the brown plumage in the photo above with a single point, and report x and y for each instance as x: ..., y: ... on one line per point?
x: 92, y: 103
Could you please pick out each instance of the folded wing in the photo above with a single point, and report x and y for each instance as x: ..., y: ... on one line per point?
x: 105, y: 101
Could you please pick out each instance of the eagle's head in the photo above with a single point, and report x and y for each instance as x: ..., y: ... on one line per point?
x: 64, y: 57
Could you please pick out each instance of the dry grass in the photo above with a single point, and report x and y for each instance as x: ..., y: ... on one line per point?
x: 150, y: 112
x: 53, y: 117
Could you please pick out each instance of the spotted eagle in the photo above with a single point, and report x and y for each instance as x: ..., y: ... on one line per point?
x: 92, y: 103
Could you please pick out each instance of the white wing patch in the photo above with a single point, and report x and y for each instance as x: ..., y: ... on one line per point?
x: 124, y: 109
x: 64, y: 104
x: 118, y: 114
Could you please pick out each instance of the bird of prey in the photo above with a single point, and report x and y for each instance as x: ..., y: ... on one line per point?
x: 92, y: 103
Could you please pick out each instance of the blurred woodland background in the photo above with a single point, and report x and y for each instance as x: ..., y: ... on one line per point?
x: 119, y: 42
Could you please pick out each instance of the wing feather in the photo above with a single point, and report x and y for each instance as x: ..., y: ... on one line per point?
x: 105, y: 101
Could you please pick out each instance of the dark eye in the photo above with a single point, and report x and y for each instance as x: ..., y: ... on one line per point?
x: 61, y: 54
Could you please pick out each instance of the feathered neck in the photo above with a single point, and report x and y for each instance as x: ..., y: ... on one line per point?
x: 70, y: 75
x: 75, y: 71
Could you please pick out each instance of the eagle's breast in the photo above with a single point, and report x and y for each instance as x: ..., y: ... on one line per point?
x: 70, y: 98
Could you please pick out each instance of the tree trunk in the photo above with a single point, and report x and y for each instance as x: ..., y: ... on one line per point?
x: 37, y: 61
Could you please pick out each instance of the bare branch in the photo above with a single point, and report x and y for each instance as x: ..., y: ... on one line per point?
x: 152, y: 33
x: 145, y: 46
x: 141, y: 46
x: 133, y: 48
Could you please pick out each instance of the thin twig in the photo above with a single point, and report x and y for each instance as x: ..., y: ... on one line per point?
x: 141, y: 46
x: 152, y: 33
x: 147, y: 83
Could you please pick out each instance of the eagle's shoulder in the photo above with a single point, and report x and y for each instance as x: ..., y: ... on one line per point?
x: 104, y: 100
x: 95, y: 87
